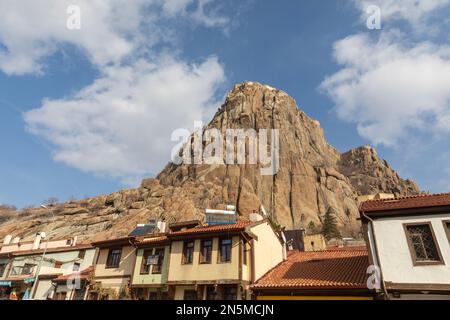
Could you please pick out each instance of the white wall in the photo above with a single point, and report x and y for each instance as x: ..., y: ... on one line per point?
x: 395, y: 257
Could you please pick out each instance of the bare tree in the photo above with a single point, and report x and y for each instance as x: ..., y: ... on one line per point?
x: 51, y: 201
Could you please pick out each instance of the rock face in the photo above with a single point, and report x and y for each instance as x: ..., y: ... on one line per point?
x: 312, y: 178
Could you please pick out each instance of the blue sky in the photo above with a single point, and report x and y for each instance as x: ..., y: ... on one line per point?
x: 87, y: 112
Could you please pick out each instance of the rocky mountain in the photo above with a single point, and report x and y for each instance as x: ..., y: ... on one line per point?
x: 313, y: 177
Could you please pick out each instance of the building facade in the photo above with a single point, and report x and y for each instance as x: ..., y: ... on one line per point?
x: 27, y: 273
x: 409, y: 241
x: 151, y: 270
x: 220, y: 262
x: 113, y: 269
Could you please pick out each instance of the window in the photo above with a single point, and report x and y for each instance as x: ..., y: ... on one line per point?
x: 225, y: 250
x: 188, y: 252
x: 81, y: 254
x: 76, y: 267
x: 157, y: 268
x: 190, y: 295
x: 114, y: 256
x: 230, y: 293
x: 211, y: 293
x: 422, y: 244
x: 145, y: 267
x: 27, y: 268
x: 2, y: 269
x: 60, y: 296
x: 447, y: 229
x: 205, y: 251
x: 58, y: 264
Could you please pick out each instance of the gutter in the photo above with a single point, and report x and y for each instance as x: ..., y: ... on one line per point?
x: 377, y: 256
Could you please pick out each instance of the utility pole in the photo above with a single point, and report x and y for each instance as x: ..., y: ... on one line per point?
x: 38, y: 270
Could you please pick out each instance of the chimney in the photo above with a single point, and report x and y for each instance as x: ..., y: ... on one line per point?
x: 37, y: 241
x: 16, y: 240
x: 161, y: 226
x: 7, y: 239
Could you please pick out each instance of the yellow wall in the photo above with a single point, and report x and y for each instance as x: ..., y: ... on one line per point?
x: 179, y: 291
x: 117, y: 277
x: 268, y: 249
x: 203, y: 272
x: 319, y: 242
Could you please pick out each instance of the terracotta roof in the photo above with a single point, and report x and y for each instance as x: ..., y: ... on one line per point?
x: 419, y: 201
x: 335, y: 269
x: 52, y: 250
x: 152, y: 240
x: 240, y: 225
x: 84, y: 274
x: 106, y: 242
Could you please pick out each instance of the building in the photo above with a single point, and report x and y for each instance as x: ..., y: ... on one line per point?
x: 149, y: 281
x: 409, y: 241
x: 24, y: 263
x: 221, y: 261
x: 73, y: 286
x: 338, y: 274
x: 315, y: 242
x: 113, y: 269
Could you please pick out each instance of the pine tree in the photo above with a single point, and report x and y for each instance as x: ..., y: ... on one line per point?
x: 312, y: 229
x: 329, y: 225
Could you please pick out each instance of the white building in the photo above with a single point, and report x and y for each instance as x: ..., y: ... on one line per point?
x: 409, y: 240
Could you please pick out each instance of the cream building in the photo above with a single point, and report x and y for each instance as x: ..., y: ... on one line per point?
x: 113, y: 269
x: 220, y: 262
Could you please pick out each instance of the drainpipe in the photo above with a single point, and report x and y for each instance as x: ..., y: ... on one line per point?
x: 377, y: 257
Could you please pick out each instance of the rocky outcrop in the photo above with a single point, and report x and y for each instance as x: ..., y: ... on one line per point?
x: 369, y: 174
x: 312, y: 178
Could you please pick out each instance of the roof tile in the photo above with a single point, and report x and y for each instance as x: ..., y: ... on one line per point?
x: 335, y: 269
x: 419, y: 201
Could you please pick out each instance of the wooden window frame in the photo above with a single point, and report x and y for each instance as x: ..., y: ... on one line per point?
x: 219, y: 250
x: 81, y: 254
x: 2, y: 271
x: 191, y: 291
x: 183, y: 259
x: 76, y: 269
x: 107, y: 266
x: 201, y: 257
x: 144, y: 259
x: 411, y: 246
x: 163, y: 250
x: 446, y: 224
x: 30, y: 265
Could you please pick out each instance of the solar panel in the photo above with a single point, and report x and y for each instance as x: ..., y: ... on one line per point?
x: 143, y: 230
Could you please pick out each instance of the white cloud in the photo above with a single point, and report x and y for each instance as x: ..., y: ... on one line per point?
x: 120, y: 125
x: 416, y: 12
x: 388, y: 87
x: 32, y: 30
